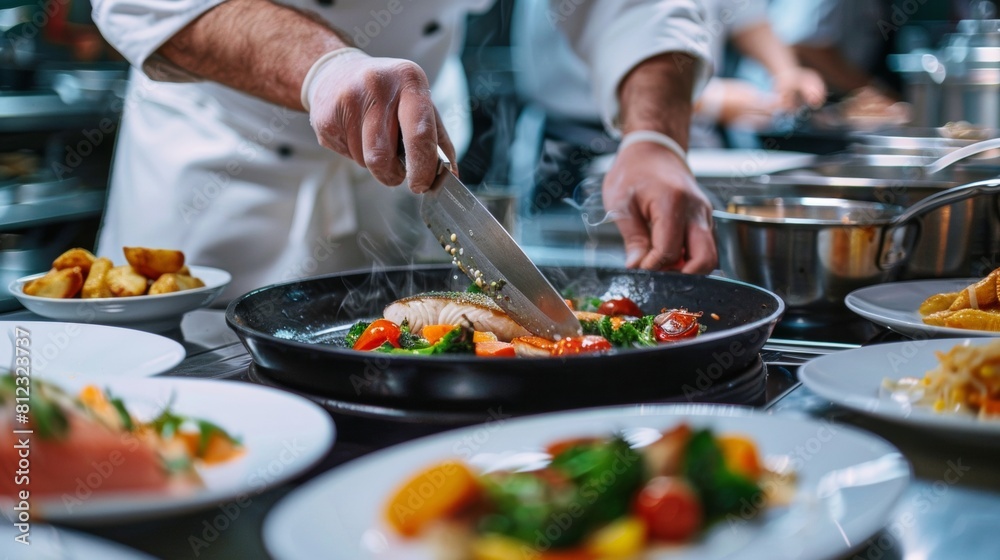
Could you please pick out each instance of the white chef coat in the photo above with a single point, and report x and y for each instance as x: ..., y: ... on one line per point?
x: 553, y: 73
x: 242, y: 184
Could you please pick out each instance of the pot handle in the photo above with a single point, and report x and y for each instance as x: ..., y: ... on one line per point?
x: 889, y: 255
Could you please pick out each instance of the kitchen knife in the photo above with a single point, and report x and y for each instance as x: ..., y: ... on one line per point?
x: 486, y: 253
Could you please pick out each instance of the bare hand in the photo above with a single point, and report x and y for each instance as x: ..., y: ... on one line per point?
x: 360, y: 105
x: 663, y: 216
x: 800, y: 86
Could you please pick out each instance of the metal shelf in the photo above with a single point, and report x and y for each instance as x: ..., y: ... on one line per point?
x: 83, y: 204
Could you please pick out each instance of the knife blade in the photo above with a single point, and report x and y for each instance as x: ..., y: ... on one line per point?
x: 489, y: 256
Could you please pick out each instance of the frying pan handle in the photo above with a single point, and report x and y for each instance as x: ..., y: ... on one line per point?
x: 889, y: 254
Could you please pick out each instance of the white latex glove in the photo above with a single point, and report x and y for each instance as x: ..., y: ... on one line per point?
x: 358, y: 105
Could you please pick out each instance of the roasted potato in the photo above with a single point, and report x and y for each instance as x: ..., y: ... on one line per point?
x: 60, y: 284
x: 75, y: 257
x: 124, y: 281
x: 172, y: 282
x: 96, y: 284
x: 152, y: 263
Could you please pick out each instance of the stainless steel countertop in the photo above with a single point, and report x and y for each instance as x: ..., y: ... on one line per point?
x: 950, y: 511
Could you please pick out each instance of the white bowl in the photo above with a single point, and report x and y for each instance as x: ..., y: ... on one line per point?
x: 152, y: 313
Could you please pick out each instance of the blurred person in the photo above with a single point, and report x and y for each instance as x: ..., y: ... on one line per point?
x: 730, y: 101
x: 839, y: 39
x: 255, y: 133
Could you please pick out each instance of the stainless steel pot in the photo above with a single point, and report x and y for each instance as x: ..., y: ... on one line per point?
x: 814, y: 251
x: 962, y: 231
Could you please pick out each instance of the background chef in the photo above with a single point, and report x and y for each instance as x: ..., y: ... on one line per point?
x: 216, y: 157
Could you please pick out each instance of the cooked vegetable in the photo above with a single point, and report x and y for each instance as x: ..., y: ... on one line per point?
x: 456, y: 341
x: 355, y: 332
x: 64, y: 283
x: 676, y: 324
x: 79, y: 258
x: 96, y: 284
x: 434, y: 332
x: 173, y: 282
x: 433, y: 493
x: 152, y: 263
x: 495, y: 349
x: 596, y: 498
x: 620, y: 306
x: 670, y: 509
x: 123, y: 281
x: 378, y: 333
x: 721, y: 490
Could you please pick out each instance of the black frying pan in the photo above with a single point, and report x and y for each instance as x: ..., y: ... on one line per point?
x: 294, y: 332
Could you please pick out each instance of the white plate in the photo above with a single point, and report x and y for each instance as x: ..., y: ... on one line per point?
x: 341, y: 510
x: 75, y: 354
x: 52, y: 543
x: 283, y: 435
x: 154, y: 313
x: 895, y: 305
x: 852, y: 378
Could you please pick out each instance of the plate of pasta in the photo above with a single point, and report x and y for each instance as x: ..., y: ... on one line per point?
x: 950, y: 384
x: 952, y: 307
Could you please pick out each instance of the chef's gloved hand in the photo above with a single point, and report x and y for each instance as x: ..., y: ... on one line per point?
x: 663, y: 216
x: 359, y: 105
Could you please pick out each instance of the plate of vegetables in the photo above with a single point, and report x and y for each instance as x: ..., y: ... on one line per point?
x: 653, y: 481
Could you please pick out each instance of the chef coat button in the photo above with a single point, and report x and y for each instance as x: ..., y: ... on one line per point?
x: 285, y: 151
x: 432, y: 28
x: 325, y: 3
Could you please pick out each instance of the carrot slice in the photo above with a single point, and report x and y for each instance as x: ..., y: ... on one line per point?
x: 480, y: 336
x: 434, y: 332
x: 435, y: 493
x: 495, y: 349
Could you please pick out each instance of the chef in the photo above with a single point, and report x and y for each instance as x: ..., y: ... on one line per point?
x: 256, y: 134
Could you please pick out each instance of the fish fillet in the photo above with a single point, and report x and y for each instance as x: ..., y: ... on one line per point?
x: 454, y: 308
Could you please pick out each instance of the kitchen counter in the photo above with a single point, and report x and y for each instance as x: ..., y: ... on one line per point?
x: 951, y: 509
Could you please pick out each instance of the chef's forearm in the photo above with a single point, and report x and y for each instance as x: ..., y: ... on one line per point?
x: 254, y: 46
x: 656, y: 95
x: 760, y: 43
x: 839, y: 73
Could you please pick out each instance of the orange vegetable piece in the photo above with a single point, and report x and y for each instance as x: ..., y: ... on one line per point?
x: 480, y: 336
x: 741, y: 455
x: 435, y: 493
x: 495, y: 349
x: 433, y: 333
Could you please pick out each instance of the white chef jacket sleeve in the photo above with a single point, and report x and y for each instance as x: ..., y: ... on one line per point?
x: 613, y: 36
x: 137, y: 28
x: 738, y: 15
x: 815, y: 23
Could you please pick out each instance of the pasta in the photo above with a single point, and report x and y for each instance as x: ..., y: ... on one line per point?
x: 966, y: 381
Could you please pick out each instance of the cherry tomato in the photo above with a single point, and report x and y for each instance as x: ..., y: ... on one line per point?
x: 620, y: 306
x: 377, y: 334
x: 581, y: 344
x: 676, y: 324
x: 670, y: 509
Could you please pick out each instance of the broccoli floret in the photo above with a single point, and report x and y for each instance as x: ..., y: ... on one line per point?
x: 628, y: 334
x: 455, y: 341
x: 410, y: 341
x: 357, y: 330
